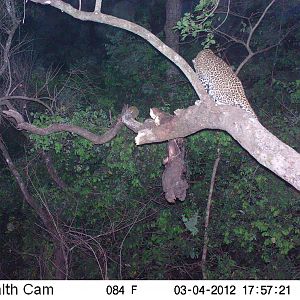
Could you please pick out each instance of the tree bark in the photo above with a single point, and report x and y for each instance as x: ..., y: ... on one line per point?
x: 173, y: 14
x: 102, y: 18
x: 257, y: 140
x: 207, y: 215
x: 60, y: 260
x: 266, y: 148
x: 52, y: 171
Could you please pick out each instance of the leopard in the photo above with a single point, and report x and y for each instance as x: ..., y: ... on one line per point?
x: 220, y: 82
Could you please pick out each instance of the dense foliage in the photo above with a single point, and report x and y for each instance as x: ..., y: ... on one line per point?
x: 114, y: 192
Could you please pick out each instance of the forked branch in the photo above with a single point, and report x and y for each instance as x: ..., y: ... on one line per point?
x: 55, y: 128
x: 136, y: 29
x: 252, y: 30
x: 257, y: 140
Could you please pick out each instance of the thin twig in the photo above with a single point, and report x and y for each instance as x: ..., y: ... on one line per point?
x: 247, y: 43
x: 122, y: 243
x: 24, y: 98
x: 207, y: 214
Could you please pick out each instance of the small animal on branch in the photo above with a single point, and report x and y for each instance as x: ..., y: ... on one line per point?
x: 219, y: 80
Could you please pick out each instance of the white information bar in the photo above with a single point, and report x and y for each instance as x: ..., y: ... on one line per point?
x: 146, y: 289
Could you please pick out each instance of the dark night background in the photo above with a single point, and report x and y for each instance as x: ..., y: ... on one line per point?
x: 112, y: 219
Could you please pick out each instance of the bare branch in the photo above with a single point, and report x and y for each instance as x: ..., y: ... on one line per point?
x: 24, y: 98
x: 54, y: 128
x: 28, y: 198
x: 138, y: 30
x: 258, y: 141
x: 246, y: 44
x: 98, y: 6
x: 258, y: 22
x: 226, y: 16
x: 232, y: 38
x: 247, y: 131
x: 207, y: 214
x: 126, y: 235
x: 251, y: 53
x: 52, y: 171
x: 44, y: 214
x: 245, y: 60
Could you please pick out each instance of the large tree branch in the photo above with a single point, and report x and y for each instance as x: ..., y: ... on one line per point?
x: 258, y: 141
x: 258, y: 22
x: 248, y: 132
x: 55, y: 128
x: 267, y: 149
x: 99, y: 17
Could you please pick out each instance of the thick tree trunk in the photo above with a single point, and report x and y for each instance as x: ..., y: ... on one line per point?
x: 60, y: 261
x: 173, y: 14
